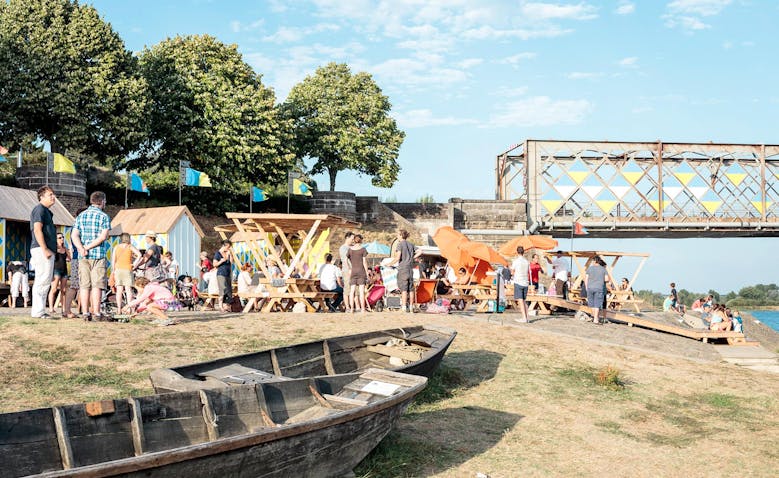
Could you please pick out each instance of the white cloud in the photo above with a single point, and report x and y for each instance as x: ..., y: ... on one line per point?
x: 686, y: 14
x: 552, y: 11
x: 629, y: 62
x: 409, y: 72
x: 514, y: 60
x: 540, y: 111
x: 584, y: 75
x: 469, y: 63
x: 424, y: 117
x: 295, y: 34
x: 705, y: 8
x: 487, y: 32
x: 511, y: 92
x: 625, y: 8
x: 237, y: 26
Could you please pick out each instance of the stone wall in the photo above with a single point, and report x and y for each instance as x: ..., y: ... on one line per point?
x: 71, y: 189
x: 337, y: 203
x: 488, y: 214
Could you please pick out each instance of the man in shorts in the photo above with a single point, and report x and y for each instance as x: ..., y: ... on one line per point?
x: 520, y: 271
x: 90, y: 233
x: 346, y: 270
x: 405, y: 253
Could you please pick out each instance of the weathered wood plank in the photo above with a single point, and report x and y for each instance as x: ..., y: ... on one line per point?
x: 346, y: 401
x: 136, y: 423
x: 328, y: 358
x: 275, y: 361
x: 411, y: 355
x: 209, y: 416
x: 66, y: 452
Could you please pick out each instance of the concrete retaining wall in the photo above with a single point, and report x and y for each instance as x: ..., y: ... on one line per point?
x: 338, y: 203
x: 71, y: 189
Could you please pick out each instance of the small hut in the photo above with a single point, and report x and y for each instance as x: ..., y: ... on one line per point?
x: 15, y: 207
x: 176, y: 228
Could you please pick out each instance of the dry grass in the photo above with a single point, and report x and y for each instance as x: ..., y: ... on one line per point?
x: 507, y: 401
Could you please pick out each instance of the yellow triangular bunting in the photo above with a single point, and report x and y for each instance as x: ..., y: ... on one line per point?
x: 632, y: 177
x: 551, y: 205
x: 736, y: 178
x: 759, y: 205
x: 578, y: 176
x: 655, y: 203
x: 711, y: 206
x: 684, y: 178
x: 606, y: 206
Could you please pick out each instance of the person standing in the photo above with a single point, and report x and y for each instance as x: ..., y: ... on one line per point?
x: 42, y: 248
x: 20, y: 283
x: 405, y: 253
x: 595, y: 278
x: 346, y: 270
x: 59, y: 282
x: 560, y: 271
x: 224, y: 272
x: 535, y: 271
x: 90, y: 233
x: 124, y: 256
x: 171, y: 269
x: 151, y: 259
x: 204, y: 266
x: 520, y: 271
x: 358, y: 265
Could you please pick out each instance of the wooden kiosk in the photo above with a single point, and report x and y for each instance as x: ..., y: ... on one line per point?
x: 272, y: 236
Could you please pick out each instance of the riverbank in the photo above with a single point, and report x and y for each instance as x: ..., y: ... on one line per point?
x: 510, y: 399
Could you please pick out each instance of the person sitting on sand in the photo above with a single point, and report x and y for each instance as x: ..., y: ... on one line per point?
x: 738, y: 322
x: 668, y: 304
x: 152, y: 298
x: 697, y: 306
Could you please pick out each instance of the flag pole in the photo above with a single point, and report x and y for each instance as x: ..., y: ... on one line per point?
x: 289, y: 187
x: 250, y: 199
x: 179, y: 182
x: 126, y: 187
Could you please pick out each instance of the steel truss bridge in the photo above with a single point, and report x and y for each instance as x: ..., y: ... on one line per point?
x: 634, y: 189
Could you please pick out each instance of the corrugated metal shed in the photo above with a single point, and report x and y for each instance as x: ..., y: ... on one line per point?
x: 16, y: 205
x: 158, y: 219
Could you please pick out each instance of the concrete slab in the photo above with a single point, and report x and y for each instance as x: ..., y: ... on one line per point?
x: 734, y: 352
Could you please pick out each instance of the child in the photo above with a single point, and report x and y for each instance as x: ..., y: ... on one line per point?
x: 152, y: 298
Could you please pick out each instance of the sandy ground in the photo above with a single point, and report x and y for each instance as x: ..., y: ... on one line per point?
x: 523, y: 407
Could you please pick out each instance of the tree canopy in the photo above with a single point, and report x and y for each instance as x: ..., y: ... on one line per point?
x: 342, y: 120
x: 66, y: 78
x: 209, y: 107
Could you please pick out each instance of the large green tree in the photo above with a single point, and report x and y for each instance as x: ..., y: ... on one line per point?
x: 66, y: 78
x: 210, y: 108
x: 342, y: 120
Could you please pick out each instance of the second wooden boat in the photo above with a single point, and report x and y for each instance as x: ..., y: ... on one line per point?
x: 417, y: 350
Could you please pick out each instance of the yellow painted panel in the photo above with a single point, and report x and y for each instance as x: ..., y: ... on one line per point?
x: 736, y: 178
x: 684, y: 178
x: 551, y: 205
x: 578, y: 176
x: 633, y: 178
x: 711, y: 206
x: 606, y: 206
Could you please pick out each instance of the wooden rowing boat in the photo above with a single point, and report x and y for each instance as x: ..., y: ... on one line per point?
x: 305, y: 427
x: 416, y: 350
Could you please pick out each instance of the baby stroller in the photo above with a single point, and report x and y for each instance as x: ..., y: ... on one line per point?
x: 389, y: 276
x: 375, y: 297
x: 185, y: 292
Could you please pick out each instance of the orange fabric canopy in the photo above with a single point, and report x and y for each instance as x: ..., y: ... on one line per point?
x: 450, y: 242
x: 528, y: 242
x: 481, y: 251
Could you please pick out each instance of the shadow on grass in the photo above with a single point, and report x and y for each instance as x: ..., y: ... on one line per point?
x: 430, y: 442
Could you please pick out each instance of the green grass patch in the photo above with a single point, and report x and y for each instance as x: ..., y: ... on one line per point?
x: 4, y: 320
x: 400, y: 456
x: 441, y: 386
x: 48, y: 353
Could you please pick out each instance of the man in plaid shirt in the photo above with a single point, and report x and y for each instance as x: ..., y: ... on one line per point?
x: 89, y: 236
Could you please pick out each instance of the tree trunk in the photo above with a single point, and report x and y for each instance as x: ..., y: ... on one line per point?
x: 332, y: 172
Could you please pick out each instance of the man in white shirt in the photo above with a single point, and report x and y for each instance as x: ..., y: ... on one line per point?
x: 520, y: 271
x: 331, y: 280
x: 560, y: 271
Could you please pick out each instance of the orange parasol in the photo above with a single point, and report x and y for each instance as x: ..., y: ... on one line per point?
x: 545, y: 243
x: 483, y: 252
x: 451, y: 244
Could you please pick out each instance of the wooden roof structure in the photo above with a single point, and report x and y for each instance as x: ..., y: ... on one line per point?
x: 157, y: 219
x: 16, y: 205
x: 583, y: 259
x: 254, y: 228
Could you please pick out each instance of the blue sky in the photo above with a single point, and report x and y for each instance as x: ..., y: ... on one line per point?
x: 469, y: 78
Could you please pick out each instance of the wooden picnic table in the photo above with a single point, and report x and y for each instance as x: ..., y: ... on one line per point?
x: 583, y: 259
x: 285, y: 293
x: 470, y: 293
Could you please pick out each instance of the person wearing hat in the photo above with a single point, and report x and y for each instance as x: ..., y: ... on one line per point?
x: 150, y: 260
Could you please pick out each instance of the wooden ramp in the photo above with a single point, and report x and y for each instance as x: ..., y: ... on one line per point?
x: 733, y: 338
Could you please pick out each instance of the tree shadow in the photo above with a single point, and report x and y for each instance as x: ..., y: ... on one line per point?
x: 430, y: 442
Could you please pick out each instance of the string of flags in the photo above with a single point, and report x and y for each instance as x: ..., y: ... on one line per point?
x: 196, y: 178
